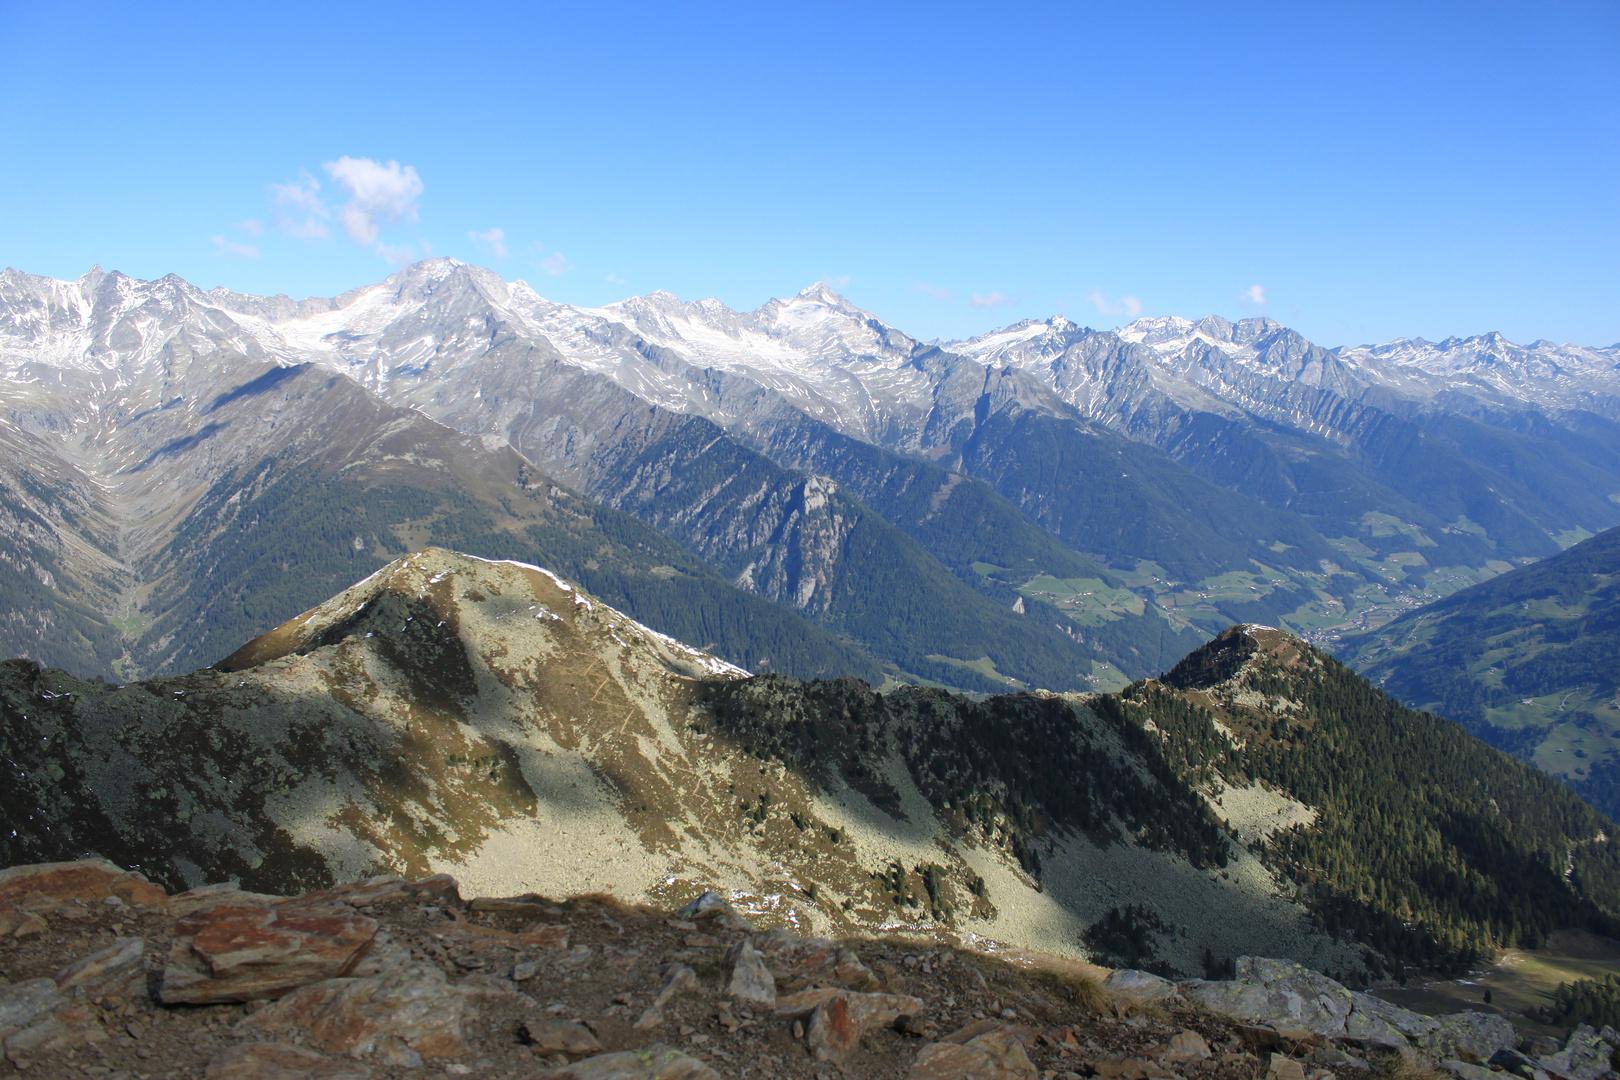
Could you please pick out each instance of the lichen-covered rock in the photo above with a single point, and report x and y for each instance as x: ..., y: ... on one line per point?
x: 1472, y: 1035
x: 1585, y: 1056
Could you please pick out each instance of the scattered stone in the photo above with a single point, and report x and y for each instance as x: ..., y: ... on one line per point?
x: 1283, y: 1067
x: 751, y: 980
x: 656, y: 1062
x: 712, y: 906
x: 868, y: 1011
x: 524, y: 970
x: 243, y: 953
x: 817, y: 960
x: 415, y: 1006
x: 560, y: 1036
x: 29, y: 924
x: 679, y: 979
x: 1121, y: 1067
x: 119, y: 969
x: 281, y: 1061
x: 1465, y: 1071
x: 650, y: 1018
x: 1138, y: 985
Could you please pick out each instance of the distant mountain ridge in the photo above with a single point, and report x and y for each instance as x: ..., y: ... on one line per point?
x: 1126, y: 494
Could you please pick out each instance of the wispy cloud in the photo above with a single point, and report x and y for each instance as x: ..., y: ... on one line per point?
x: 615, y: 279
x: 251, y: 227
x: 1254, y: 295
x: 836, y: 281
x: 994, y: 299
x: 493, y: 241
x: 377, y: 192
x: 556, y: 264
x: 933, y: 290
x: 1125, y: 305
x: 402, y: 255
x: 223, y: 246
x: 300, y: 198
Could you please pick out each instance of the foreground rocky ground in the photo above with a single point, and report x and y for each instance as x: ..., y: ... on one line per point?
x: 103, y: 974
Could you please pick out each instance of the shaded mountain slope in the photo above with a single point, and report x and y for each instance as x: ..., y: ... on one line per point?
x: 1526, y: 661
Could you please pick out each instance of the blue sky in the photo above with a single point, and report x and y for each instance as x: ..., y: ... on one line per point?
x: 1360, y: 172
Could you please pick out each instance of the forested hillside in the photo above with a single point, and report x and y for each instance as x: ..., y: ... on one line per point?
x: 1526, y: 661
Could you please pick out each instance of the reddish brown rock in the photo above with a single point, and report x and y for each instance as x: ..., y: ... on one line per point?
x: 831, y: 1032
x: 817, y: 960
x: 87, y: 880
x: 252, y: 953
x: 281, y: 1061
x: 224, y: 894
x: 412, y: 1007
x: 1121, y: 1067
x: 1283, y: 1067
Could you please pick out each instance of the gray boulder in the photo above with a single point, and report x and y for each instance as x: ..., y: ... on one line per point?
x: 1586, y: 1056
x: 1138, y: 985
x: 1469, y: 1035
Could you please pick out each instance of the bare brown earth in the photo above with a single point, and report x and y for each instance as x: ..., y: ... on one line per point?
x: 519, y: 972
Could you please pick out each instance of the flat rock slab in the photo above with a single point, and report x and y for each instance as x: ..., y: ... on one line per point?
x: 281, y: 1061
x: 821, y: 961
x: 227, y: 954
x: 656, y: 1062
x: 751, y: 980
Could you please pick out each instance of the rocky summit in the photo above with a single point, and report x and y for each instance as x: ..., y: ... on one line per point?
x: 102, y: 973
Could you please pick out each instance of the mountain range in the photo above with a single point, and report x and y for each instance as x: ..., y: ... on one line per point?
x: 801, y: 488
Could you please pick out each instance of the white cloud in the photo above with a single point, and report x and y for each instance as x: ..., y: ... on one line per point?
x: 1255, y: 294
x: 251, y: 227
x: 995, y: 299
x: 556, y: 264
x: 934, y: 290
x: 376, y: 192
x: 493, y: 241
x: 615, y: 279
x: 223, y: 246
x: 299, y: 199
x: 1125, y: 305
x: 836, y: 281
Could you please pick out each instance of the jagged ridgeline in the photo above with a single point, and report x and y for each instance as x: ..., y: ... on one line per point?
x: 1426, y: 844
